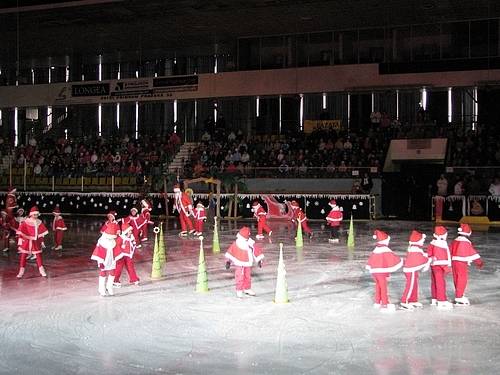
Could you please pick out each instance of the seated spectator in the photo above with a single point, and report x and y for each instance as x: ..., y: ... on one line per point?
x: 495, y: 187
x: 442, y: 186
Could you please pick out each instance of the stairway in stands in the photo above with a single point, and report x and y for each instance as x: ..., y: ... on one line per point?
x: 177, y: 165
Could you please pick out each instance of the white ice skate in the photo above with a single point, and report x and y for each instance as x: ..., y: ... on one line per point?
x: 434, y: 302
x: 102, y: 286
x: 259, y: 237
x: 390, y: 307
x: 407, y: 306
x: 250, y: 292
x: 416, y: 304
x: 5, y: 250
x: 183, y: 234
x: 376, y: 305
x: 58, y: 248
x: 136, y: 283
x: 444, y: 305
x: 144, y: 239
x: 191, y: 231
x: 21, y: 272
x: 42, y: 271
x: 117, y: 284
x: 462, y: 301
x: 109, y: 285
x: 270, y: 233
x: 239, y: 293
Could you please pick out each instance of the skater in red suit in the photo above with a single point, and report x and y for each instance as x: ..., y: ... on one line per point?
x: 30, y: 236
x: 185, y: 209
x: 416, y: 260
x: 106, y: 254
x: 439, y: 252
x: 261, y: 215
x: 243, y: 253
x: 146, y: 214
x: 5, y: 229
x: 137, y: 222
x: 10, y: 202
x: 59, y: 227
x: 334, y: 220
x: 299, y: 217
x: 381, y: 263
x: 199, y: 219
x: 463, y: 254
x: 110, y: 219
x: 125, y: 242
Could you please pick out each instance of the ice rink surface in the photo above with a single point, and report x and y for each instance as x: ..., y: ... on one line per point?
x: 60, y: 325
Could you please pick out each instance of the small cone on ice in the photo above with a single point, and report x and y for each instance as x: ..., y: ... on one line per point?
x: 156, y: 268
x: 161, y: 247
x: 350, y: 237
x: 299, y: 242
x: 281, y: 295
x: 215, y: 241
x: 202, y: 279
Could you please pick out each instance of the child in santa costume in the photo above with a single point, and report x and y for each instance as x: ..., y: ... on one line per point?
x: 439, y: 252
x: 59, y: 227
x: 299, y: 217
x: 10, y: 226
x: 416, y: 260
x: 334, y: 219
x: 463, y: 254
x: 110, y: 219
x: 30, y: 241
x: 5, y: 229
x: 182, y: 203
x: 146, y: 214
x: 261, y: 215
x: 137, y: 222
x: 242, y: 253
x: 106, y: 254
x: 10, y: 202
x: 199, y: 218
x: 126, y: 244
x: 381, y: 263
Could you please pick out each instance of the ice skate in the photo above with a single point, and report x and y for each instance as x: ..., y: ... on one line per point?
x: 270, y: 233
x: 117, y: 284
x: 239, y: 293
x: 109, y: 285
x: 416, y: 304
x: 444, y: 305
x: 390, y: 307
x: 21, y: 272
x: 462, y: 301
x: 102, y: 286
x: 192, y: 231
x: 42, y: 271
x: 250, y: 292
x: 311, y: 235
x: 58, y: 248
x: 376, y: 305
x: 183, y: 234
x: 5, y: 249
x: 406, y: 306
x: 144, y: 239
x: 434, y: 302
x: 136, y: 283
x: 259, y: 237
x: 139, y: 246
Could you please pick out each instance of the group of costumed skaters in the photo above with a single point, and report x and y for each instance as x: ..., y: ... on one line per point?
x: 184, y: 206
x: 116, y: 247
x: 440, y: 258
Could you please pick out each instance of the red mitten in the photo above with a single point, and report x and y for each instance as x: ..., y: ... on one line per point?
x: 479, y: 264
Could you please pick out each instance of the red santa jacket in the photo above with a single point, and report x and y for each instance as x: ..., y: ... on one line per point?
x: 416, y: 259
x: 383, y: 260
x: 183, y: 204
x: 463, y: 251
x: 300, y: 215
x: 243, y: 252
x: 126, y: 245
x: 335, y: 217
x: 106, y: 252
x: 199, y: 213
x: 30, y: 236
x: 146, y: 214
x: 136, y: 222
x: 439, y: 253
x: 106, y: 223
x: 58, y: 224
x: 260, y: 213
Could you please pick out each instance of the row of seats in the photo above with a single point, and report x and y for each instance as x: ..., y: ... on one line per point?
x: 68, y: 181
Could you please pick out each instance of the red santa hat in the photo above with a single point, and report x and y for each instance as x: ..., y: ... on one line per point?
x: 244, y: 233
x: 199, y: 204
x: 294, y: 204
x: 255, y: 204
x: 332, y: 203
x: 133, y: 209
x: 440, y: 232
x: 34, y: 211
x: 416, y: 238
x: 112, y: 230
x: 465, y: 230
x: 111, y: 215
x: 56, y: 211
x: 20, y: 211
x: 126, y: 228
x: 381, y: 236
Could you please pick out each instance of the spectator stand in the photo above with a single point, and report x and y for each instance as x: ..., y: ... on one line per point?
x: 472, y: 209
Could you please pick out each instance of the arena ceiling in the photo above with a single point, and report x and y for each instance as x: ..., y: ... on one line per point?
x: 88, y: 27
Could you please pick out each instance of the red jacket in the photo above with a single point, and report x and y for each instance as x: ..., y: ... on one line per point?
x: 243, y: 252
x: 383, y: 260
x: 463, y: 251
x: 439, y: 253
x: 335, y: 217
x: 416, y: 259
x: 30, y: 236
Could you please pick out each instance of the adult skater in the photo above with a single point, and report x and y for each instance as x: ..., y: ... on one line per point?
x: 185, y: 209
x: 242, y: 253
x: 439, y: 252
x: 463, y: 254
x: 261, y: 215
x: 381, y: 263
x: 334, y: 219
x: 59, y: 227
x: 416, y: 260
x: 30, y: 241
